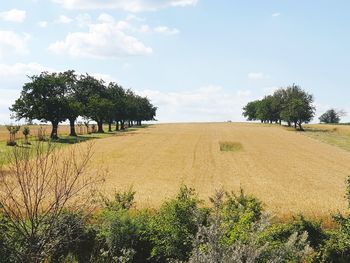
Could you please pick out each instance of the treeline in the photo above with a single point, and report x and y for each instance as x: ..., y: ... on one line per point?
x: 291, y: 105
x: 58, y: 97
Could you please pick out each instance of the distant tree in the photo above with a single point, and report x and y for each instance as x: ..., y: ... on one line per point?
x: 331, y: 116
x: 116, y: 94
x: 92, y: 94
x: 73, y: 106
x: 44, y: 99
x: 250, y: 110
x: 267, y: 110
x: 279, y: 97
x: 298, y: 107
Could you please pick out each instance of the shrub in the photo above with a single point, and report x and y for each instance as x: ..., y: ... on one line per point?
x: 26, y: 133
x: 234, y: 235
x: 123, y: 233
x: 337, y: 246
x: 76, y: 239
x: 175, y: 225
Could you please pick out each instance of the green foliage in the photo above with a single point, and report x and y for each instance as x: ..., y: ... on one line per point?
x: 292, y: 105
x: 279, y: 233
x: 235, y: 233
x: 56, y: 97
x: 239, y: 212
x: 121, y: 201
x: 123, y: 233
x: 250, y: 110
x: 174, y: 227
x: 331, y: 116
x: 76, y: 239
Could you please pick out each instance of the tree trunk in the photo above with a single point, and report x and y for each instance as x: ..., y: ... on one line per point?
x: 295, y: 125
x: 300, y: 127
x: 100, y: 127
x: 54, y: 131
x: 122, y: 125
x: 289, y: 124
x: 117, y: 125
x: 110, y: 126
x: 72, y: 128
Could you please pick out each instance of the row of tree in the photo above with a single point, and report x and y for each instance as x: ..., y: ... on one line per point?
x: 291, y: 105
x: 57, y: 97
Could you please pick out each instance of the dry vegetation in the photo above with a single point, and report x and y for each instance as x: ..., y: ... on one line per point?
x: 288, y: 171
x: 4, y: 134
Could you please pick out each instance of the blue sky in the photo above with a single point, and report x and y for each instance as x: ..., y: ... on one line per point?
x: 196, y: 60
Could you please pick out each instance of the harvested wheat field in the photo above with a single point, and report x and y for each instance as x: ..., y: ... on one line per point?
x: 291, y: 173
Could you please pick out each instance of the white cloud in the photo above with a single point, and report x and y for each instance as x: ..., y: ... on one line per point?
x: 131, y: 17
x: 83, y: 19
x: 127, y: 5
x: 276, y: 14
x: 104, y: 39
x: 42, y: 24
x: 257, y: 76
x: 210, y: 103
x: 166, y: 30
x: 64, y: 19
x: 13, y: 15
x: 11, y: 42
x: 22, y: 69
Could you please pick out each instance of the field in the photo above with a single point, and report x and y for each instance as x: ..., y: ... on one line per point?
x: 62, y: 130
x: 290, y: 172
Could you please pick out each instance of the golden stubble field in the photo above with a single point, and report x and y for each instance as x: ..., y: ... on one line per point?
x: 291, y: 173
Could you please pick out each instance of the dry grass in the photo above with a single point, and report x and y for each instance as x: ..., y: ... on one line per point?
x: 337, y: 135
x: 288, y: 171
x: 4, y: 134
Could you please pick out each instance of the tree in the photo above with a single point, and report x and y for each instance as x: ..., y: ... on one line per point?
x: 38, y: 185
x: 73, y: 105
x: 92, y: 94
x: 331, y: 116
x: 298, y: 107
x: 267, y: 110
x: 44, y: 99
x: 250, y: 110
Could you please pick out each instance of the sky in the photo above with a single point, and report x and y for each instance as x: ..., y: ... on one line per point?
x: 197, y: 60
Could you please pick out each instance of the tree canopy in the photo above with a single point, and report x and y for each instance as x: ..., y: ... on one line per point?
x: 291, y: 104
x: 57, y: 97
x: 331, y: 116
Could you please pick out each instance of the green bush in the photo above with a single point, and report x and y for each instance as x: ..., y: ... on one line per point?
x: 123, y: 232
x: 76, y: 239
x: 239, y: 213
x: 175, y: 225
x: 337, y: 247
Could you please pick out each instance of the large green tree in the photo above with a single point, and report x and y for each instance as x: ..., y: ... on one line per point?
x: 250, y: 110
x: 44, y: 98
x: 298, y: 107
x: 93, y: 95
